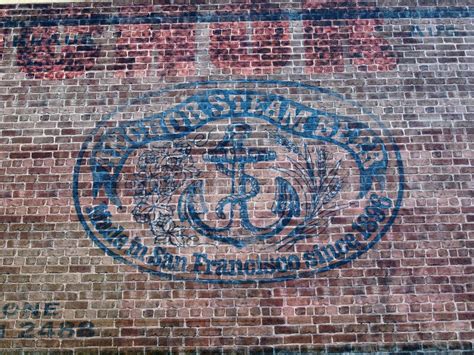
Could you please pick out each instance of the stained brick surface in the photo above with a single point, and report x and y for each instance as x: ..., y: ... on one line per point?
x: 117, y: 120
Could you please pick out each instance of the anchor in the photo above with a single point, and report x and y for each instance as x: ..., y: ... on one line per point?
x: 230, y: 157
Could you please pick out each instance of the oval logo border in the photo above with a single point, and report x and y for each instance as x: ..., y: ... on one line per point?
x: 194, y: 85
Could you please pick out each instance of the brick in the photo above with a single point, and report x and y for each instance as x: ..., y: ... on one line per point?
x: 127, y: 107
x: 262, y: 50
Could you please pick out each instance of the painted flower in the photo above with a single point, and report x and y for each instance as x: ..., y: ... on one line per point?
x: 151, y: 208
x: 161, y: 173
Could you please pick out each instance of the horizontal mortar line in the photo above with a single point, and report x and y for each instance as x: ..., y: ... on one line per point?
x: 319, y: 14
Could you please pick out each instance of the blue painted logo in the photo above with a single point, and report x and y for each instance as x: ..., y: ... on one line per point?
x: 238, y: 181
x: 230, y: 157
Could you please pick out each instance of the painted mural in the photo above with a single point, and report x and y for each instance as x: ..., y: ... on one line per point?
x: 236, y: 176
x: 237, y: 181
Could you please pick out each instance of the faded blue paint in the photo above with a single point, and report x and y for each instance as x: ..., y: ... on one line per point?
x: 279, y: 15
x: 370, y: 155
x: 339, y: 130
x: 230, y: 157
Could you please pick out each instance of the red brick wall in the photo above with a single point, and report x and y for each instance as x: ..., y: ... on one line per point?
x: 292, y: 175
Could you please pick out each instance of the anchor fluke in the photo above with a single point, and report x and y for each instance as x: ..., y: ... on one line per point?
x: 192, y: 193
x: 287, y: 201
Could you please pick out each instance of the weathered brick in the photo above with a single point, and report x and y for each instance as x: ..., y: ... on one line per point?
x: 132, y: 105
